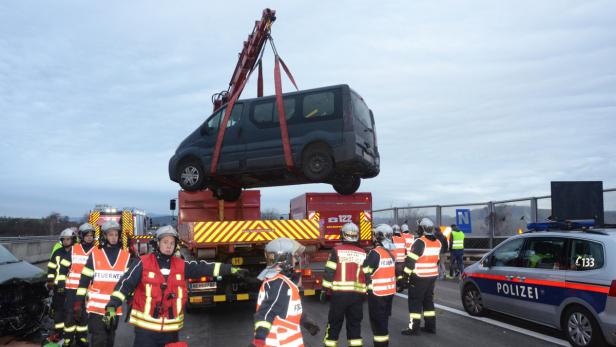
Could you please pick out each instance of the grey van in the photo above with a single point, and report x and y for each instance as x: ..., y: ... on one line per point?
x: 332, y: 138
x: 562, y: 279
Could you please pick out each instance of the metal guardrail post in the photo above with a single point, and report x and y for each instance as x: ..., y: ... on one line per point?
x: 438, y: 215
x: 533, y: 210
x: 396, y: 216
x: 492, y: 224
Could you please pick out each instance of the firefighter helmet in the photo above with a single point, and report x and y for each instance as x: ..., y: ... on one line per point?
x: 405, y: 228
x: 425, y: 226
x: 68, y: 232
x: 349, y: 232
x: 283, y: 253
x: 396, y: 229
x: 110, y: 225
x: 84, y: 229
x: 383, y: 232
x: 167, y: 230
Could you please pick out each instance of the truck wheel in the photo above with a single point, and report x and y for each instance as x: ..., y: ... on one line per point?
x: 347, y: 185
x: 581, y: 328
x: 191, y: 176
x: 317, y: 163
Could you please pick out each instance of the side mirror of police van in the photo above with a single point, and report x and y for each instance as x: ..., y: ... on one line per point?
x: 487, y: 261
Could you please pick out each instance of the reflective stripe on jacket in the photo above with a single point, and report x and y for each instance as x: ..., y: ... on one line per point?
x: 347, y: 268
x: 458, y: 240
x: 104, y: 280
x: 400, y: 248
x: 79, y: 257
x: 384, y: 277
x: 427, y: 264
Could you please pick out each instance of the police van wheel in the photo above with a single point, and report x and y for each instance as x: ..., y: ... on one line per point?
x: 581, y: 328
x: 472, y: 302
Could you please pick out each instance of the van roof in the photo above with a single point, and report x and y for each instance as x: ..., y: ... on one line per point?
x: 298, y: 92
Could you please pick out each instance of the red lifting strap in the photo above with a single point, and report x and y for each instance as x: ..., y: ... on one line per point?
x: 286, y: 145
x: 260, y: 81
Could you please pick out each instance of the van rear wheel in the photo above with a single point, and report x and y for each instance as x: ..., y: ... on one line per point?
x: 346, y: 185
x: 317, y: 163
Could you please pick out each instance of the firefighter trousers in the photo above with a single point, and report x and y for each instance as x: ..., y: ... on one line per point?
x: 345, y: 305
x: 379, y: 308
x: 147, y: 338
x: 75, y: 328
x: 421, y: 300
x: 57, y: 303
x: 99, y: 334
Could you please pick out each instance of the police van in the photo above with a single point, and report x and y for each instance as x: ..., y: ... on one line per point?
x: 561, y: 275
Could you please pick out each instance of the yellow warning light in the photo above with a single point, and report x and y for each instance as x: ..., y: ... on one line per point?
x: 520, y: 231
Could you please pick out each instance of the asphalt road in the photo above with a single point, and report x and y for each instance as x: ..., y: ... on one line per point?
x: 232, y: 325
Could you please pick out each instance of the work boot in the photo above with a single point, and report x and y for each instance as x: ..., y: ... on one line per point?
x: 410, y: 332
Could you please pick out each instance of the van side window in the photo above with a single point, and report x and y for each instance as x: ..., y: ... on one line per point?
x: 585, y: 255
x: 508, y: 253
x: 214, y: 121
x: 236, y: 115
x: 266, y: 113
x: 545, y: 253
x: 318, y: 105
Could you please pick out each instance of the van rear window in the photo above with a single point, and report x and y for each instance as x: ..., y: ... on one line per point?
x: 319, y: 105
x: 361, y: 111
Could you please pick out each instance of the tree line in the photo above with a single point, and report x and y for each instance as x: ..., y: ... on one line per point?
x: 53, y: 224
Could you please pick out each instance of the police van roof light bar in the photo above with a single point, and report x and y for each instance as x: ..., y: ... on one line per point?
x: 580, y: 224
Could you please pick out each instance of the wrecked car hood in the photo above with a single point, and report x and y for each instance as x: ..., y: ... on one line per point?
x: 20, y: 271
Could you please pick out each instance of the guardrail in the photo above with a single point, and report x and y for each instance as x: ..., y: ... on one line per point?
x: 23, y: 239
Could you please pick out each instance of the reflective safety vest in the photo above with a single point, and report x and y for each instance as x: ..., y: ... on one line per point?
x: 349, y: 276
x: 158, y: 302
x: 285, y: 332
x: 458, y: 240
x: 400, y: 248
x: 427, y: 264
x: 104, y: 280
x: 409, y: 239
x: 384, y: 277
x: 79, y: 257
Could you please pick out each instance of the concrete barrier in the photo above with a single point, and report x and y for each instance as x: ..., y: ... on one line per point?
x: 32, y: 252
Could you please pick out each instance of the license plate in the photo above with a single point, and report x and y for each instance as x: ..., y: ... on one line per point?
x: 203, y: 286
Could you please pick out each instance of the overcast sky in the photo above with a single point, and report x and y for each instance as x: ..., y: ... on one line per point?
x: 473, y: 101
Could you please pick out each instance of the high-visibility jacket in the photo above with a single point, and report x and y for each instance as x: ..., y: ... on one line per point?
x: 79, y: 257
x: 346, y: 263
x: 285, y: 332
x: 427, y: 264
x: 104, y: 279
x: 384, y: 277
x: 158, y: 302
x: 458, y: 240
x: 408, y: 241
x: 400, y: 248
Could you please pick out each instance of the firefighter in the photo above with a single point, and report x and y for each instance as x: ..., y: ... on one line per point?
x: 56, y: 277
x: 399, y: 252
x: 343, y: 276
x: 456, y: 246
x: 76, y: 327
x: 380, y: 271
x: 104, y: 267
x: 158, y: 280
x: 421, y: 270
x: 409, y: 237
x: 279, y: 308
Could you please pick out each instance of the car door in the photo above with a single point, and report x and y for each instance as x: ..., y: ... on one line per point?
x: 264, y: 149
x: 496, y: 278
x: 539, y: 285
x: 232, y: 150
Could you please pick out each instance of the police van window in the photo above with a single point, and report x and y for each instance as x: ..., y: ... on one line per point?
x: 585, y: 255
x: 508, y: 253
x: 545, y: 253
x: 318, y: 105
x: 266, y: 113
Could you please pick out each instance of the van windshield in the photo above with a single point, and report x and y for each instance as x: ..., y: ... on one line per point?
x: 361, y: 111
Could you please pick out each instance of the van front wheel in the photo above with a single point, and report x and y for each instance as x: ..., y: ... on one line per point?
x: 191, y: 176
x: 347, y: 185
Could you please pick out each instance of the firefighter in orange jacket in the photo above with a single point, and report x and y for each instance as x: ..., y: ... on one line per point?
x: 421, y: 271
x: 380, y: 271
x: 76, y: 326
x: 343, y: 276
x: 104, y: 267
x: 158, y: 281
x: 399, y: 252
x: 279, y: 308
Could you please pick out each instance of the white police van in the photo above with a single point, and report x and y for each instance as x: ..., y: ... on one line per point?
x: 563, y: 276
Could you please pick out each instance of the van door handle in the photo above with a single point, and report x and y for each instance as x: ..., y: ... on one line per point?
x: 522, y: 279
x: 509, y: 277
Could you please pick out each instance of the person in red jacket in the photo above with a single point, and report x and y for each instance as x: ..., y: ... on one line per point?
x: 343, y: 276
x: 158, y: 281
x: 279, y: 308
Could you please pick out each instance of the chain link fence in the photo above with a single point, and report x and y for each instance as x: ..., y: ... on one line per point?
x: 491, y: 222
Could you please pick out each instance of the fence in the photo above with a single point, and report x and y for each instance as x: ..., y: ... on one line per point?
x: 491, y: 222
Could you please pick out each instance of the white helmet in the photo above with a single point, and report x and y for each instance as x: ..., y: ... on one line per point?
x: 405, y: 228
x: 68, y: 232
x: 282, y: 252
x: 84, y: 229
x: 110, y: 225
x: 383, y: 232
x: 425, y: 226
x: 166, y: 230
x: 396, y: 229
x: 349, y: 232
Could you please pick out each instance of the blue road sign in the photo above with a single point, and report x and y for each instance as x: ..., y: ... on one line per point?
x: 463, y: 220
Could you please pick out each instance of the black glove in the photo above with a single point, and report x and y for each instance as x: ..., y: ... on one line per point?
x: 323, y: 297
x: 239, y: 272
x: 109, y: 317
x: 311, y: 326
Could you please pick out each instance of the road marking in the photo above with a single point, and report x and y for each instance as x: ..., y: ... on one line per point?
x: 523, y: 331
